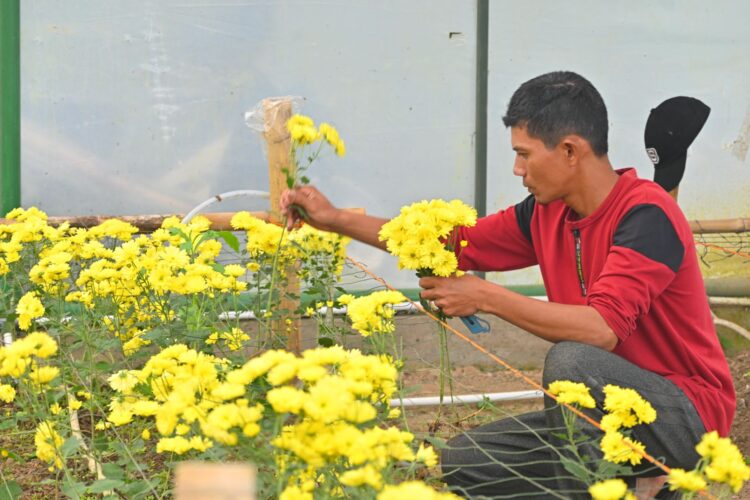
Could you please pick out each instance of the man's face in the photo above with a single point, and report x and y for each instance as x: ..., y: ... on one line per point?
x: 544, y: 171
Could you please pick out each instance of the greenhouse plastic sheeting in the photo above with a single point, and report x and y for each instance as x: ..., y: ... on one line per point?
x: 133, y: 107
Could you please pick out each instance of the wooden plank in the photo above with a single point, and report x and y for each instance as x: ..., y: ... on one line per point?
x: 214, y: 481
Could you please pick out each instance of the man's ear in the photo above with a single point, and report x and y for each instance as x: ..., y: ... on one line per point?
x: 574, y: 147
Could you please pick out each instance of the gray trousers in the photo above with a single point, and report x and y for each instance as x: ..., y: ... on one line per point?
x: 523, y: 456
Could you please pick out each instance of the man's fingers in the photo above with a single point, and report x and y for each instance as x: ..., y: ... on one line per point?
x: 430, y: 281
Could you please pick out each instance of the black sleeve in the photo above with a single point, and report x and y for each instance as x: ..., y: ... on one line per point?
x: 647, y: 230
x: 524, y: 211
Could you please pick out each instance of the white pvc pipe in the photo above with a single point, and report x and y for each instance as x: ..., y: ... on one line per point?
x: 729, y: 301
x: 468, y: 398
x: 221, y: 197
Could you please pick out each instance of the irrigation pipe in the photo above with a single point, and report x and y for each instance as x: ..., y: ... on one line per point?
x: 222, y: 197
x: 467, y: 398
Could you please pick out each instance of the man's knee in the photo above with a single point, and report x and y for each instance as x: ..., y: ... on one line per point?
x: 567, y: 361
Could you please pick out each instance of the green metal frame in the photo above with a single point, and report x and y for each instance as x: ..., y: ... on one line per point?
x: 10, y: 105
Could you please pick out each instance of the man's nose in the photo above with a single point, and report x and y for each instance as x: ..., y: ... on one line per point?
x: 518, y: 168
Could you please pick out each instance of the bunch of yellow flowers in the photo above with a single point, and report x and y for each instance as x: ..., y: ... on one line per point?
x: 573, y: 393
x: 372, y: 313
x: 721, y: 462
x: 421, y: 235
x: 626, y: 408
x: 21, y: 359
x: 48, y: 443
x: 29, y: 307
x: 266, y: 240
x: 303, y: 132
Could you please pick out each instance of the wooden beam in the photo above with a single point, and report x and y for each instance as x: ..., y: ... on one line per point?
x: 276, y: 113
x: 144, y: 223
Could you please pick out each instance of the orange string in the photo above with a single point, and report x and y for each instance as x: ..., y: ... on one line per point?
x: 724, y: 249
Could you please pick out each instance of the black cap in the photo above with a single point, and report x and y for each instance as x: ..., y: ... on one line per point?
x: 670, y: 130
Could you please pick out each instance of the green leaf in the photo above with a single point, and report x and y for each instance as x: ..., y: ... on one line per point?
x: 611, y: 469
x: 73, y: 489
x: 113, y: 471
x: 230, y: 239
x: 576, y: 468
x: 10, y: 490
x: 436, y: 442
x: 325, y: 341
x: 70, y: 446
x: 103, y: 366
x: 155, y: 334
x: 137, y: 489
x: 304, y: 180
x: 289, y: 181
x: 101, y: 444
x: 103, y: 485
x: 7, y: 424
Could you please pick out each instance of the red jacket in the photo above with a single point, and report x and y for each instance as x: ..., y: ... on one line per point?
x: 634, y: 261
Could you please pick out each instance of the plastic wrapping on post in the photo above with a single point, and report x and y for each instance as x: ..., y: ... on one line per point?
x: 257, y: 120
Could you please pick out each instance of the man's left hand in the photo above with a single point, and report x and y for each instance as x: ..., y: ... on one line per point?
x: 455, y: 296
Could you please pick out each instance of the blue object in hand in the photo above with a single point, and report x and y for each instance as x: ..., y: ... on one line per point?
x: 475, y: 324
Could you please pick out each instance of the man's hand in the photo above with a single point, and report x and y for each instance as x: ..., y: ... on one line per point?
x: 320, y: 213
x: 456, y: 296
x: 308, y: 204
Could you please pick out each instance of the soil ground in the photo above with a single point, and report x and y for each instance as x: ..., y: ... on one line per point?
x: 472, y: 379
x: 422, y: 382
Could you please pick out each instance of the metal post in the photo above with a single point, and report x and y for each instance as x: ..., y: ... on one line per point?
x: 480, y: 127
x: 10, y: 105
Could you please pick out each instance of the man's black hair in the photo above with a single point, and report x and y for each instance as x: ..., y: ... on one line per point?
x: 556, y: 104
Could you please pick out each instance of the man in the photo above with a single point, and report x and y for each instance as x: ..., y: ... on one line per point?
x: 626, y: 299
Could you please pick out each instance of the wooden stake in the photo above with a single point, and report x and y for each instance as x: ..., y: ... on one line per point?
x: 214, y: 481
x: 276, y: 113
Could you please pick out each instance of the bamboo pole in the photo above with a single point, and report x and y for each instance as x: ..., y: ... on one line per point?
x: 220, y: 221
x: 739, y: 225
x: 276, y: 113
x: 144, y: 223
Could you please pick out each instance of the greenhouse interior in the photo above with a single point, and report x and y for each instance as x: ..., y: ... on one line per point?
x: 297, y: 250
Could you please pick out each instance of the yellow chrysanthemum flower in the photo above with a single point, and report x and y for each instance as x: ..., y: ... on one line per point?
x: 48, y: 443
x: 7, y: 393
x: 572, y: 393
x: 611, y: 489
x: 680, y: 479
x: 373, y: 313
x: 725, y: 463
x: 419, y: 235
x: 619, y: 449
x: 628, y: 405
x: 413, y: 489
x: 29, y: 307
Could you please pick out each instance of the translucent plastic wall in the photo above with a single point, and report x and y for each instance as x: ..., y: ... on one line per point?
x: 134, y: 106
x: 637, y: 54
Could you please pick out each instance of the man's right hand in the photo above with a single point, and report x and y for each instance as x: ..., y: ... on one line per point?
x: 319, y: 211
